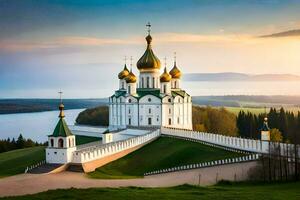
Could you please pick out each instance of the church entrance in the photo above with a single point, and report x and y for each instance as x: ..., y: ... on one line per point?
x: 149, y: 121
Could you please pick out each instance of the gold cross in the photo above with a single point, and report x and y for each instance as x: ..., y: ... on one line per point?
x: 165, y: 59
x: 125, y: 59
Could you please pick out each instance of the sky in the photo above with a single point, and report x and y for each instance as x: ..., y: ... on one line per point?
x: 79, y: 46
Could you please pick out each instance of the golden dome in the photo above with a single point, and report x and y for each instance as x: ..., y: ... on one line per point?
x: 131, y: 78
x: 148, y: 61
x: 61, y: 109
x: 165, y: 77
x: 175, y: 72
x: 123, y: 73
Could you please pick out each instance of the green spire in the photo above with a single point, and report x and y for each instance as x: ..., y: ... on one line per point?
x: 61, y: 129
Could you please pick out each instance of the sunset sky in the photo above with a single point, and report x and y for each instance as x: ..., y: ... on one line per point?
x: 79, y: 46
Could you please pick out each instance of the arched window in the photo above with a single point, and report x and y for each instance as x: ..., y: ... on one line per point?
x: 148, y: 84
x: 169, y: 100
x: 175, y: 84
x: 165, y: 88
x: 178, y: 120
x: 169, y: 110
x: 128, y: 88
x: 149, y: 121
x: 170, y: 121
x: 51, y: 142
x: 149, y: 110
x: 60, y: 143
x: 153, y: 82
x: 129, y: 111
x: 129, y: 121
x: 142, y: 82
x: 129, y: 100
x: 70, y: 145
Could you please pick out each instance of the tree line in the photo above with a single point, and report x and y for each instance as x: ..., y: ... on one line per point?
x: 12, y: 144
x: 285, y: 125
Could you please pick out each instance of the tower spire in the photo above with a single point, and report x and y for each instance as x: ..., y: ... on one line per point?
x: 61, y: 106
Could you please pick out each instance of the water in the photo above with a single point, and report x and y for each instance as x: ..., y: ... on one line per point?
x: 35, y: 126
x: 205, y: 88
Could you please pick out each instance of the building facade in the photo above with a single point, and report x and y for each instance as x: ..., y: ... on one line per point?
x: 152, y: 99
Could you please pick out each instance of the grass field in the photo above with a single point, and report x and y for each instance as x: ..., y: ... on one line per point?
x: 163, y: 153
x: 245, y: 191
x: 15, y: 162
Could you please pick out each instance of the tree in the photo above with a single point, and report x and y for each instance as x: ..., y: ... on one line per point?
x: 275, y: 135
x: 20, y: 142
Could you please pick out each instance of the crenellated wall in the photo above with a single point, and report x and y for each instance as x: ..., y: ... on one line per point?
x: 96, y: 152
x: 244, y: 144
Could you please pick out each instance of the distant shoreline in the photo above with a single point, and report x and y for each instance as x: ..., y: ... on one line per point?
x: 18, y: 106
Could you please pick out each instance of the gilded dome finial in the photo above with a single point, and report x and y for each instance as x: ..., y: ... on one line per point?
x: 61, y: 106
x: 148, y: 62
x: 125, y: 71
x: 175, y: 72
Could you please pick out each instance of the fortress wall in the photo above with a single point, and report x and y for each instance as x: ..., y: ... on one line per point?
x: 92, y: 165
x: 243, y: 144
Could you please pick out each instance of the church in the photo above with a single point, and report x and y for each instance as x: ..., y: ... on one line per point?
x: 153, y: 99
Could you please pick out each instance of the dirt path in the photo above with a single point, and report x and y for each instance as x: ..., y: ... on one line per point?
x: 34, y: 183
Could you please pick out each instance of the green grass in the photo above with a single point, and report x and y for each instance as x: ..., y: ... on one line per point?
x: 163, y: 153
x: 81, y: 139
x: 15, y: 162
x: 245, y: 191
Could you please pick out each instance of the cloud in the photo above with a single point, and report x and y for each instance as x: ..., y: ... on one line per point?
x: 160, y: 38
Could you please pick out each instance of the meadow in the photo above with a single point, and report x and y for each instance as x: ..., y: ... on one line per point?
x: 163, y: 153
x: 223, y: 190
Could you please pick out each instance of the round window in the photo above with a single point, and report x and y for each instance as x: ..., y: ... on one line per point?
x: 149, y: 99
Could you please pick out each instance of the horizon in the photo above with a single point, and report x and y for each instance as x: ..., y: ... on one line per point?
x: 51, y: 45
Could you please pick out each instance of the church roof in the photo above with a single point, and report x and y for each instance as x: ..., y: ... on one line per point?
x: 148, y: 61
x: 141, y: 92
x: 181, y: 93
x: 61, y: 129
x: 123, y: 73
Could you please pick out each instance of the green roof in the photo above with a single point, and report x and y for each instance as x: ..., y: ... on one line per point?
x: 141, y: 92
x: 181, y: 93
x: 61, y: 129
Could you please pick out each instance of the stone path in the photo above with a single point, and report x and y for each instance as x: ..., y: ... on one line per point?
x: 34, y: 183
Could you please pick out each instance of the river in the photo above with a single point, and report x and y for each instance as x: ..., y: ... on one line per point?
x: 35, y: 126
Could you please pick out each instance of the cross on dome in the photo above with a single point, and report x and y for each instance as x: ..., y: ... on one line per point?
x: 148, y: 28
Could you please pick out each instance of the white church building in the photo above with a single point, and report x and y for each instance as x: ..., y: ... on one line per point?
x: 154, y: 99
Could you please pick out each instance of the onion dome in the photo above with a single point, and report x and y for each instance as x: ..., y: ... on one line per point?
x: 131, y: 78
x: 148, y: 61
x: 61, y: 109
x: 123, y: 73
x: 175, y: 72
x: 165, y: 77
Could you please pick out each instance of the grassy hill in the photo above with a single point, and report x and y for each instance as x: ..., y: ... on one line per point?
x: 163, y: 153
x: 246, y: 191
x: 15, y: 162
